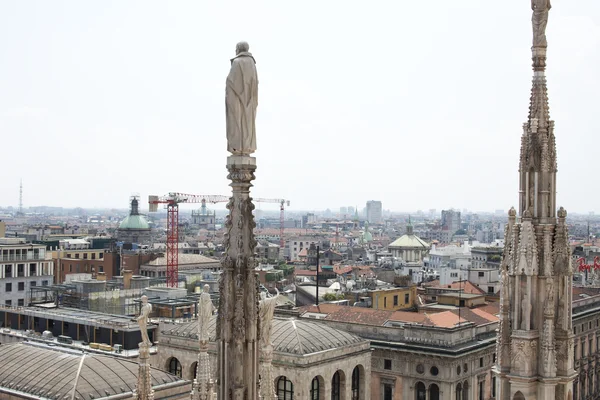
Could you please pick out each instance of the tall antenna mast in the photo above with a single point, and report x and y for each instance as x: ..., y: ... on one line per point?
x: 21, y: 197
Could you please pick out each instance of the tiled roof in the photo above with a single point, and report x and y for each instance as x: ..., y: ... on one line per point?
x: 476, y: 316
x: 362, y: 315
x: 372, y: 317
x: 466, y: 286
x: 491, y: 308
x: 446, y: 319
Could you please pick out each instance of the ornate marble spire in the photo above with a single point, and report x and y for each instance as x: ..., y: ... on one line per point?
x: 237, y: 323
x: 143, y: 389
x: 535, y: 340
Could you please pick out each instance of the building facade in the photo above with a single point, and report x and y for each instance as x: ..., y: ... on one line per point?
x: 310, y: 360
x: 450, y: 220
x: 419, y: 356
x: 374, y: 212
x: 23, y: 266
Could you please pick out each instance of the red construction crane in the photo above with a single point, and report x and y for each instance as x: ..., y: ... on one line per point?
x: 282, y: 203
x: 172, y: 201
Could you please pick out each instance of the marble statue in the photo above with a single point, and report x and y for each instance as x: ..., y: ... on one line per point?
x: 266, y: 310
x: 206, y: 309
x: 241, y: 100
x: 540, y: 20
x: 142, y: 320
x: 526, y: 309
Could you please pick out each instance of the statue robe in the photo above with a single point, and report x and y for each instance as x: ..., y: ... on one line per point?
x: 241, y: 100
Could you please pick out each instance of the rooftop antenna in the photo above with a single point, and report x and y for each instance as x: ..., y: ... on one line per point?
x: 21, y: 197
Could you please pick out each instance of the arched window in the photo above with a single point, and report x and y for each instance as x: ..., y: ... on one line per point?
x: 519, y: 396
x: 314, y: 389
x: 175, y: 367
x: 335, y: 386
x: 356, y: 383
x: 420, y: 391
x: 434, y: 392
x: 195, y: 370
x: 285, y: 389
x: 465, y: 390
x: 459, y: 392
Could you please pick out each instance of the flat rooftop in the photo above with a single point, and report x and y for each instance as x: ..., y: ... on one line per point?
x: 462, y: 295
x: 77, y: 316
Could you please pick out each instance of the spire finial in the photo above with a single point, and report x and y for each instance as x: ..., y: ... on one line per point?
x: 539, y: 21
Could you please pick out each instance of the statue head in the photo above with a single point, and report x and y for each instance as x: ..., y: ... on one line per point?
x: 206, y: 288
x: 144, y: 299
x: 241, y: 47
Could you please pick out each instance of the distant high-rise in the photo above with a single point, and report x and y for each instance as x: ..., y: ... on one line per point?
x: 450, y: 220
x: 374, y: 212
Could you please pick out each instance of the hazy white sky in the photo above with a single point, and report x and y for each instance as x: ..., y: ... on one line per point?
x: 416, y: 103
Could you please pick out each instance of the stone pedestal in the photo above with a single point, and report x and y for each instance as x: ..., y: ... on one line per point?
x: 267, y: 380
x: 237, y: 323
x: 203, y: 386
x: 143, y: 389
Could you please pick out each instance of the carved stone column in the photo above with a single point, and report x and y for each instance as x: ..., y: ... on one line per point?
x: 143, y: 389
x: 203, y: 386
x: 237, y: 323
x: 267, y: 380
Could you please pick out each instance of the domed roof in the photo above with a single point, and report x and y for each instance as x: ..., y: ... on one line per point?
x: 409, y: 241
x: 290, y: 336
x: 134, y: 222
x: 69, y: 374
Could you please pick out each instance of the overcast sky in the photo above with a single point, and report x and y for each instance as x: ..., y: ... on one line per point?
x: 418, y: 104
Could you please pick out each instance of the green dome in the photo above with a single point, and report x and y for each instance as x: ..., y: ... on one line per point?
x: 134, y: 222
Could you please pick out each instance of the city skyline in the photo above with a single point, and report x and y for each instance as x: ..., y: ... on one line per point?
x: 386, y: 103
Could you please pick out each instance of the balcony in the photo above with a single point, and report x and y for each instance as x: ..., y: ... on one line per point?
x: 21, y: 258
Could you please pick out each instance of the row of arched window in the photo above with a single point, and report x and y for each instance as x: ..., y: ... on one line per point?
x: 421, y: 392
x: 285, y: 387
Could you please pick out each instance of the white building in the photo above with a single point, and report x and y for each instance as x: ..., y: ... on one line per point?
x: 488, y: 279
x: 23, y: 266
x: 452, y: 255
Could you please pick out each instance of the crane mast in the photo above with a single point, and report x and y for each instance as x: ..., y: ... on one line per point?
x: 172, y: 201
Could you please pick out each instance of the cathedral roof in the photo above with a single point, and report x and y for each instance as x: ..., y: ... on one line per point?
x: 68, y: 374
x: 291, y: 336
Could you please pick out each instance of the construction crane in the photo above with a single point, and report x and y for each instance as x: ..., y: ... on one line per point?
x: 172, y: 201
x: 282, y: 204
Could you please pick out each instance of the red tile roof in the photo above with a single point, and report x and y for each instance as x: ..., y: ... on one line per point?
x: 372, y: 317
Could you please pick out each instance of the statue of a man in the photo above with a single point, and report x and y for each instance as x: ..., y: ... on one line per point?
x: 206, y: 309
x: 266, y: 310
x: 241, y: 100
x: 526, y: 310
x: 142, y: 320
x: 540, y: 20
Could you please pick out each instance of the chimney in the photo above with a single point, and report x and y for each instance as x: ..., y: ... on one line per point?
x: 127, y: 278
x: 101, y: 276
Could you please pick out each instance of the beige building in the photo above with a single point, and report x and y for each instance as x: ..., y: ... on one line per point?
x: 311, y: 360
x: 421, y: 356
